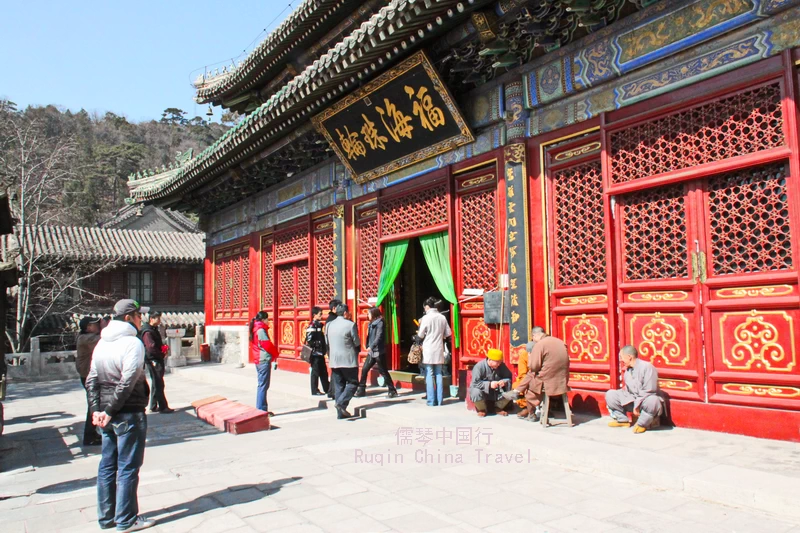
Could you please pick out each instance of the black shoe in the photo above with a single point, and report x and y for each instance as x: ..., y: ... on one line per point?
x: 361, y: 392
x: 341, y: 413
x: 330, y: 395
x: 93, y: 442
x: 167, y: 410
x: 392, y: 394
x: 152, y: 410
x: 316, y: 393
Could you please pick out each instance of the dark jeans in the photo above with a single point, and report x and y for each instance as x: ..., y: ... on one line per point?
x: 381, y: 362
x: 158, y: 399
x: 118, y: 473
x: 319, y: 373
x: 264, y: 373
x: 345, y: 383
x: 89, y: 431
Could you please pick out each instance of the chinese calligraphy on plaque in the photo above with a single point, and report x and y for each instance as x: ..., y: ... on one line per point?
x: 403, y: 116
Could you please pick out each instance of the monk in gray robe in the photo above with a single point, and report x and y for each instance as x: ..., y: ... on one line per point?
x: 640, y: 394
x: 490, y: 378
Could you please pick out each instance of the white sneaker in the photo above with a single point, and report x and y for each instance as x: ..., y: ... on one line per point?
x: 140, y: 524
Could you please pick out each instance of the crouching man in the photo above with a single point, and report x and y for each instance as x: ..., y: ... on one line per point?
x: 490, y: 378
x: 639, y: 395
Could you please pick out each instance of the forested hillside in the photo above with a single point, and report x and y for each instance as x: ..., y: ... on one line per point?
x: 94, y: 154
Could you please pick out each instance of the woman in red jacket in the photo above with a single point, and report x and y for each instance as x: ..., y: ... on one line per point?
x: 262, y: 353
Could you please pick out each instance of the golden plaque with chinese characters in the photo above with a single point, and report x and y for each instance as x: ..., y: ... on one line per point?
x: 403, y: 116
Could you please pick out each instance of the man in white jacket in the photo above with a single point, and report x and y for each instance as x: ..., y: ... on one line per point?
x: 118, y: 394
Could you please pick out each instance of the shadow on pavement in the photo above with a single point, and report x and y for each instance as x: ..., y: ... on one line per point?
x: 321, y: 406
x: 44, y: 417
x: 68, y: 486
x: 237, y: 495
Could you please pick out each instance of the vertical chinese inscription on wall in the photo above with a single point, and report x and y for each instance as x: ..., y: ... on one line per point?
x: 517, y: 239
x: 403, y: 116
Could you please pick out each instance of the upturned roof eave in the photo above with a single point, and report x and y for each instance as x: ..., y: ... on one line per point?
x: 258, y: 67
x: 368, y: 50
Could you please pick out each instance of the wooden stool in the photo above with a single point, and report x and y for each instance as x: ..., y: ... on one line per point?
x: 546, y: 410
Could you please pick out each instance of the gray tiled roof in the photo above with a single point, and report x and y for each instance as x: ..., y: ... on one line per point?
x: 126, y: 246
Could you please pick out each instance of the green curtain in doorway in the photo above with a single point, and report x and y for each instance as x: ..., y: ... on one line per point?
x: 436, y: 250
x: 393, y: 255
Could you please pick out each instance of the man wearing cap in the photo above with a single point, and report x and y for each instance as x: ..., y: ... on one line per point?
x: 155, y: 351
x: 87, y: 339
x: 118, y: 395
x: 490, y: 378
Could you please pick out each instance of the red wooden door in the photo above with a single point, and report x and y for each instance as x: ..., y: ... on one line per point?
x: 658, y: 250
x: 294, y: 296
x: 579, y: 272
x: 751, y: 315
x: 708, y: 285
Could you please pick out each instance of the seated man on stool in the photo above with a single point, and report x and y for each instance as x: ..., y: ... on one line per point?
x: 639, y: 395
x: 548, y: 372
x: 490, y: 378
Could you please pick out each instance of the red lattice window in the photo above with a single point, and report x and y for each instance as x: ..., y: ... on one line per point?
x: 737, y: 125
x: 654, y: 234
x: 479, y: 240
x: 236, y: 273
x: 219, y: 286
x: 291, y: 244
x: 245, y: 284
x: 325, y: 275
x: 579, y: 225
x: 413, y: 211
x: 286, y: 280
x: 231, y: 282
x: 303, y: 284
x: 750, y: 229
x: 267, y: 282
x: 369, y: 250
x: 227, y: 285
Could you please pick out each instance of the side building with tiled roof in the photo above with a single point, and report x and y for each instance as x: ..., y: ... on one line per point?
x: 160, y: 269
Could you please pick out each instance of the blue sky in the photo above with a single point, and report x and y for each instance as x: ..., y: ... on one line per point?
x: 132, y: 58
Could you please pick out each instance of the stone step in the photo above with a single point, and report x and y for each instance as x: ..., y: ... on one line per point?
x: 229, y: 416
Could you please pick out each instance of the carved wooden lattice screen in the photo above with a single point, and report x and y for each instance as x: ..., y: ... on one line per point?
x: 707, y: 276
x: 369, y: 250
x: 577, y: 261
x: 267, y: 274
x: 413, y: 211
x: 744, y: 123
x: 476, y: 258
x: 231, y: 282
x: 325, y: 277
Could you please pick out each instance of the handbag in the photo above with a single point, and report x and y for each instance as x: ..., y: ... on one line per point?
x: 305, y: 353
x: 415, y: 355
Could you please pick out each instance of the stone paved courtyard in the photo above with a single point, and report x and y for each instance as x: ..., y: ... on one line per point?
x: 315, y: 473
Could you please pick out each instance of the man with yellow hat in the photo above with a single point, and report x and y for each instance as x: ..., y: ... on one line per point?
x: 490, y: 378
